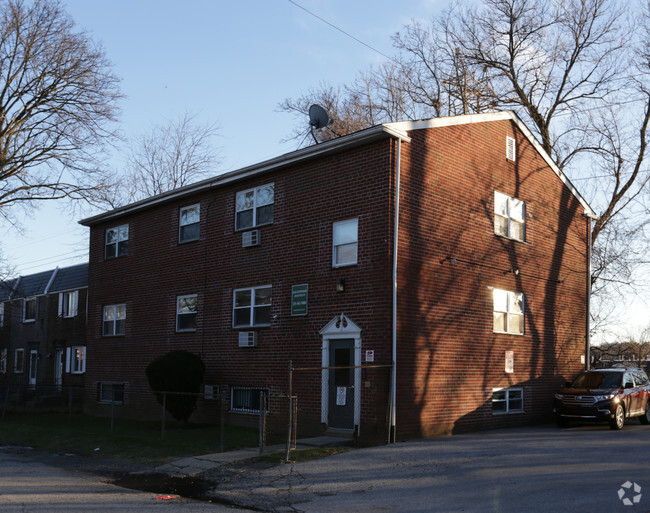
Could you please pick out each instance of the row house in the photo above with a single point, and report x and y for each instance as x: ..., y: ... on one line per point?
x: 453, y: 251
x: 43, y: 329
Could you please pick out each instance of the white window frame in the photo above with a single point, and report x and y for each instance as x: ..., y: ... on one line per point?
x: 507, y: 400
x: 75, y: 360
x: 30, y: 300
x: 252, y: 307
x: 121, y: 241
x: 513, y: 215
x: 115, y: 318
x: 184, y: 224
x: 256, y: 205
x: 180, y: 314
x: 19, y: 369
x: 68, y: 304
x: 339, y: 240
x: 3, y: 361
x: 505, y: 306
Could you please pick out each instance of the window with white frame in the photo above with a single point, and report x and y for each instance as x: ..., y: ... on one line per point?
x: 254, y: 207
x: 508, y: 312
x: 117, y: 241
x: 19, y: 361
x: 3, y: 361
x: 246, y: 399
x: 252, y: 307
x: 186, y: 308
x: 75, y: 362
x: 111, y: 393
x: 29, y: 309
x: 345, y: 239
x: 68, y: 303
x: 507, y: 400
x: 114, y: 320
x: 189, y: 223
x: 509, y: 217
x: 2, y: 315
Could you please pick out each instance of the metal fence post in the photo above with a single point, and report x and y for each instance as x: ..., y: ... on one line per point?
x: 290, y: 424
x: 262, y: 427
x: 164, y: 408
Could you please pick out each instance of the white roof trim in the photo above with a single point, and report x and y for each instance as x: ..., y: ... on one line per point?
x: 407, y: 126
x: 340, y: 325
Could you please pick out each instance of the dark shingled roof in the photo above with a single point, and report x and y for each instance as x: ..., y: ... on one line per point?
x: 69, y: 278
x: 32, y: 285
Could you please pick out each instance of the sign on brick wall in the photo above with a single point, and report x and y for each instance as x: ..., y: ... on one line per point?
x: 299, y: 299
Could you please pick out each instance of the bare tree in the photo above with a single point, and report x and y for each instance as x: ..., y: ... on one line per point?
x: 58, y: 99
x: 172, y: 155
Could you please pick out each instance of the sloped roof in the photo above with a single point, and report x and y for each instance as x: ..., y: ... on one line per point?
x: 69, y: 278
x: 54, y: 280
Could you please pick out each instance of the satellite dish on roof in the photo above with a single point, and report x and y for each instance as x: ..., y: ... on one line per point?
x: 318, y: 118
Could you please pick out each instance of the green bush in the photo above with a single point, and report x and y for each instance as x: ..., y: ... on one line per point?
x: 177, y: 371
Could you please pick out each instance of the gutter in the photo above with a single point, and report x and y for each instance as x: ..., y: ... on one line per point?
x: 393, y: 385
x: 588, y: 306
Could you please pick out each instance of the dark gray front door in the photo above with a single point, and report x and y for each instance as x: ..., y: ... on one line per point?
x: 341, y: 384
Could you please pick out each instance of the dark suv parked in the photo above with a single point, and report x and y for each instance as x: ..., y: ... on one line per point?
x: 611, y: 395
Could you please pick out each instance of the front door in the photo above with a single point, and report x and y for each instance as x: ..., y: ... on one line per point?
x: 33, y: 364
x: 341, y: 384
x: 58, y: 368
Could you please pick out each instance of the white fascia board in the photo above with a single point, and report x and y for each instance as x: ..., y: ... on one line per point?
x: 335, y: 145
x: 407, y: 126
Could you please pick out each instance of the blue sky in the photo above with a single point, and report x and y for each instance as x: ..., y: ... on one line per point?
x: 230, y: 63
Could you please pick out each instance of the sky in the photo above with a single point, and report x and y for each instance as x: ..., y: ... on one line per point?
x: 228, y: 63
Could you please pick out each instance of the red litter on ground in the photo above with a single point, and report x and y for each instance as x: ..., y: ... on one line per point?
x: 167, y: 497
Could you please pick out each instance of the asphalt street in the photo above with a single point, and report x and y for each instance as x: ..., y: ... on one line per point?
x: 538, y: 469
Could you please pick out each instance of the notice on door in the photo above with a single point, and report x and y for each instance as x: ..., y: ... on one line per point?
x: 341, y: 394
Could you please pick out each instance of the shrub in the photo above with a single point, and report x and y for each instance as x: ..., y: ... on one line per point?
x: 177, y: 371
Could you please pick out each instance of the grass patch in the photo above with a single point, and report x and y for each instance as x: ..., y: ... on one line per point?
x: 134, y: 440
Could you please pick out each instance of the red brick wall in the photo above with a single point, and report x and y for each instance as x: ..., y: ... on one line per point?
x: 449, y: 359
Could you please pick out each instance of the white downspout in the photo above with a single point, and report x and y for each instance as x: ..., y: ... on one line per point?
x: 588, y: 323
x: 393, y: 405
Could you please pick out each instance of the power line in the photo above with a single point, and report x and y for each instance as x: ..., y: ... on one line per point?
x: 344, y: 32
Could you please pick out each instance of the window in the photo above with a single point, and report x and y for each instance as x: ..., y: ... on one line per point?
x: 186, y: 307
x: 2, y: 315
x: 68, y: 303
x: 252, y: 307
x: 189, y: 222
x: 3, y: 361
x: 19, y: 361
x: 114, y: 320
x: 345, y: 241
x: 29, y: 310
x: 254, y: 207
x: 117, y: 241
x: 509, y: 217
x: 508, y: 312
x: 75, y: 361
x: 111, y: 393
x: 507, y: 400
x: 246, y: 399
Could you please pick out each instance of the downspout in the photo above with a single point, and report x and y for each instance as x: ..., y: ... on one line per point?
x: 393, y: 405
x: 588, y: 320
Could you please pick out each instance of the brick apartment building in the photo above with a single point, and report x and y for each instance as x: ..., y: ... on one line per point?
x: 43, y: 329
x: 454, y: 247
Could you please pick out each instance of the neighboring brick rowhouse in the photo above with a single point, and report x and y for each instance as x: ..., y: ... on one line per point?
x: 449, y: 359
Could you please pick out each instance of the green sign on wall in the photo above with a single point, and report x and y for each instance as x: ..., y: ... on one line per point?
x: 299, y: 299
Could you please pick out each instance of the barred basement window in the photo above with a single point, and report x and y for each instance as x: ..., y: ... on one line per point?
x: 110, y: 393
x: 246, y: 399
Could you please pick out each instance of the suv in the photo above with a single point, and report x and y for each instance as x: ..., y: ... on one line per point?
x: 611, y: 395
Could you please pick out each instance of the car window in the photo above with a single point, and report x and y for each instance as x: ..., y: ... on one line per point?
x: 640, y: 378
x: 598, y: 380
x: 627, y: 378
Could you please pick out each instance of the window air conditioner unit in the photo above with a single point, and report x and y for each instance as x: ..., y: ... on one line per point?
x: 251, y: 238
x: 248, y: 339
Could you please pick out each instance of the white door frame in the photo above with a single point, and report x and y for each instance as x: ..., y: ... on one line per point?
x: 341, y: 327
x: 33, y: 366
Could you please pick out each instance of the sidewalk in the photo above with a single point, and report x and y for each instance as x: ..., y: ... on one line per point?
x: 195, y: 465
